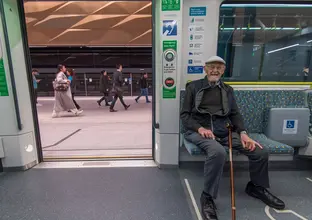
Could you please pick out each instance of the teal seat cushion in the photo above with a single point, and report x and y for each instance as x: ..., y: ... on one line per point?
x: 192, y: 148
x: 274, y: 147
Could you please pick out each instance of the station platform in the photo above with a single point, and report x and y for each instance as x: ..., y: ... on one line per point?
x: 97, y: 133
x: 138, y: 190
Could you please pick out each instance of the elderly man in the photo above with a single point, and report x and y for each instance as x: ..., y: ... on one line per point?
x: 208, y: 106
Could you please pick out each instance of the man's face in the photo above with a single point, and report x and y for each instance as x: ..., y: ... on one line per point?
x: 214, y: 71
x: 145, y: 75
x: 64, y: 69
x: 120, y: 68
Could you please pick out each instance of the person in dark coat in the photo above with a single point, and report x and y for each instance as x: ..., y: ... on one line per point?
x: 144, y: 88
x: 117, y: 88
x: 209, y: 104
x: 104, y: 88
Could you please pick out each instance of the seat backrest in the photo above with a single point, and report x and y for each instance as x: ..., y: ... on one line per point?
x: 309, y: 104
x: 283, y: 99
x: 254, y: 105
x: 251, y: 106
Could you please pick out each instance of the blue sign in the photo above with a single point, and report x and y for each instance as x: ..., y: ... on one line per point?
x: 190, y: 53
x: 197, y: 11
x: 290, y: 124
x: 170, y: 28
x: 195, y: 69
x: 190, y: 61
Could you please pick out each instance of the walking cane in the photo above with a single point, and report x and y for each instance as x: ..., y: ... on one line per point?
x: 229, y: 126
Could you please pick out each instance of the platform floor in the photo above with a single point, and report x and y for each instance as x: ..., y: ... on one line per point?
x: 139, y: 193
x: 97, y: 132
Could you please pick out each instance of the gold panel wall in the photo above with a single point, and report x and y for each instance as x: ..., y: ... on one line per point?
x: 95, y: 23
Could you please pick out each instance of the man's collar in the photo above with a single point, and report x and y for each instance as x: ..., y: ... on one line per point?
x: 210, y: 84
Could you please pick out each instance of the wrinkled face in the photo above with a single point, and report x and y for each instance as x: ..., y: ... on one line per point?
x: 214, y: 71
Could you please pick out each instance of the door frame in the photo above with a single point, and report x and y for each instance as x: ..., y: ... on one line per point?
x: 28, y: 63
x: 22, y: 19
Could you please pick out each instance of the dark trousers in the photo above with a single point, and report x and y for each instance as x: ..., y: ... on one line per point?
x: 216, y: 157
x: 105, y: 97
x: 76, y: 104
x: 116, y: 96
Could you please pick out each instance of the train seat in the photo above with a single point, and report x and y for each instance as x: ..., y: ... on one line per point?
x: 254, y: 106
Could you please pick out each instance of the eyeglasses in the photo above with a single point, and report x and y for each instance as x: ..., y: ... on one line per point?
x: 212, y: 67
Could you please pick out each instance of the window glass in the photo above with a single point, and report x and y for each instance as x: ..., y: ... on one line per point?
x: 266, y: 42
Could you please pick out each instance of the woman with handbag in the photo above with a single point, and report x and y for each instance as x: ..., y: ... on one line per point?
x: 62, y: 92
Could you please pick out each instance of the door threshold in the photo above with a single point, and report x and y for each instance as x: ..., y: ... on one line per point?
x: 96, y: 164
x: 96, y: 158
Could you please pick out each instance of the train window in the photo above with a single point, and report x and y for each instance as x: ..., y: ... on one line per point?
x: 266, y: 42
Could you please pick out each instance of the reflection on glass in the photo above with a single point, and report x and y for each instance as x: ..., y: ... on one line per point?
x: 266, y: 42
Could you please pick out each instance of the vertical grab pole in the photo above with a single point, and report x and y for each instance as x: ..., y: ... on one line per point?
x: 233, y: 208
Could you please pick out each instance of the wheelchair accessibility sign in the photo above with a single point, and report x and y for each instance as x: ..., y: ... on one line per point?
x: 290, y: 126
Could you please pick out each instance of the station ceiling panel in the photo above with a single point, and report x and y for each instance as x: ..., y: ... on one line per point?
x: 92, y: 23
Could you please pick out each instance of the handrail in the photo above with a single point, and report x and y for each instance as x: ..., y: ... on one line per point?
x: 10, y: 64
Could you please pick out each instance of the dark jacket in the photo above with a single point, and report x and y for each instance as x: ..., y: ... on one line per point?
x: 143, y: 83
x: 104, y: 84
x: 193, y: 118
x: 73, y: 83
x: 117, y: 82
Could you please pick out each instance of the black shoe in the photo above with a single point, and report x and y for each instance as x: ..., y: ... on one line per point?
x: 136, y: 101
x: 99, y: 103
x: 112, y: 110
x: 127, y: 106
x: 208, y: 208
x: 264, y: 195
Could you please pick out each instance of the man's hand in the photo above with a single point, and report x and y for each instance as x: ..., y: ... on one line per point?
x: 248, y: 143
x: 205, y: 133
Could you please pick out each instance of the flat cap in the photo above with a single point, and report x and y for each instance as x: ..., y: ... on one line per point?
x: 215, y: 59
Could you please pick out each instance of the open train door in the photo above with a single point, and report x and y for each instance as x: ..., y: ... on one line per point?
x: 19, y: 137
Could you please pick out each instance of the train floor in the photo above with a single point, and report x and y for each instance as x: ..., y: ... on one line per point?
x: 97, y: 132
x: 104, y: 191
